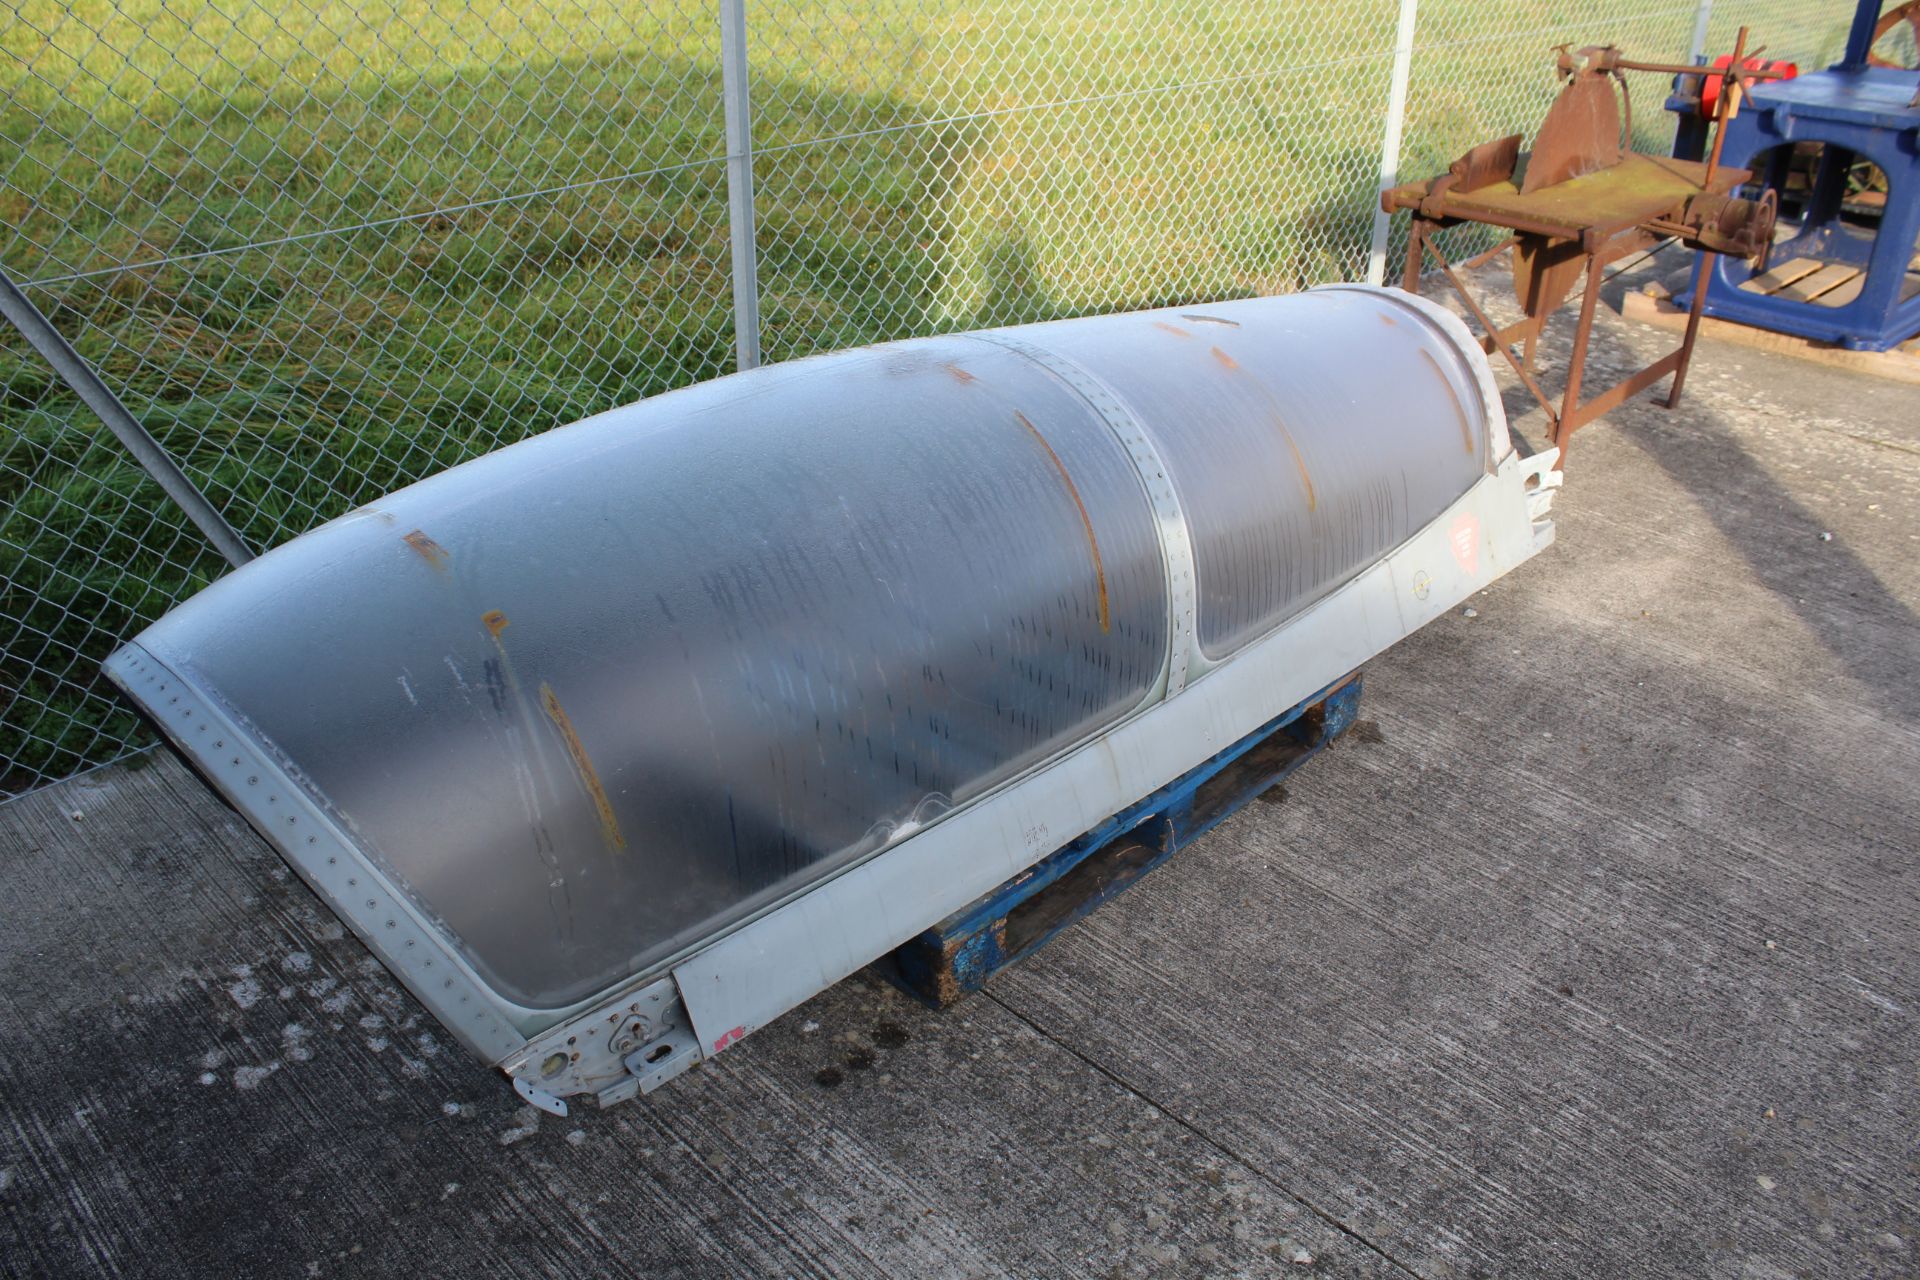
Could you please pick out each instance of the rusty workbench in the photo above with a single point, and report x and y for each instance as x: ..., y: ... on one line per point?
x: 1581, y: 200
x: 1572, y: 228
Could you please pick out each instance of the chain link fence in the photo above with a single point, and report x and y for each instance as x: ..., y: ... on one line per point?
x: 317, y: 250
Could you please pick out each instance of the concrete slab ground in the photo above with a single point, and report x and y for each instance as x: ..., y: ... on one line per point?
x: 1591, y: 952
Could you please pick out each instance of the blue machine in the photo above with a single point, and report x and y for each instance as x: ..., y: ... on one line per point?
x: 1854, y: 286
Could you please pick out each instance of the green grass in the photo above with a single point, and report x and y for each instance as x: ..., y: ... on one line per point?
x: 923, y: 166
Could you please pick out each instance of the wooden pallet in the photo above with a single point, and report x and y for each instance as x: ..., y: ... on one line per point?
x: 1824, y: 284
x: 959, y: 954
x: 1656, y: 308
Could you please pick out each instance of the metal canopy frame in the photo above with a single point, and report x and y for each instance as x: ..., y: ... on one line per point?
x: 636, y: 1034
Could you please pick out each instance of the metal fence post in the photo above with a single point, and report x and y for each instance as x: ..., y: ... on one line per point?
x: 1701, y: 14
x: 740, y: 224
x: 1390, y: 140
x: 86, y: 384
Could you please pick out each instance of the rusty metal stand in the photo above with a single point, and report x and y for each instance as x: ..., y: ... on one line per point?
x: 1573, y: 206
x: 1572, y: 412
x: 1578, y: 256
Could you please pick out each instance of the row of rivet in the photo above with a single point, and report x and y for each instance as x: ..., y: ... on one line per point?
x: 488, y: 1030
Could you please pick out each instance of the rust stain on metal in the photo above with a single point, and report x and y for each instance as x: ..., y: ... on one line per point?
x: 1173, y: 329
x: 609, y: 826
x: 1299, y: 459
x: 1459, y: 410
x: 1387, y: 320
x: 958, y: 374
x: 1086, y: 522
x: 427, y: 549
x: 1231, y: 324
x: 494, y: 621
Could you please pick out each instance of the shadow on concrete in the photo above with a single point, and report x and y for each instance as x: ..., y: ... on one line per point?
x: 1837, y: 595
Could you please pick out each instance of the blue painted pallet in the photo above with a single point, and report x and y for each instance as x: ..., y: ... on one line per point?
x: 959, y: 954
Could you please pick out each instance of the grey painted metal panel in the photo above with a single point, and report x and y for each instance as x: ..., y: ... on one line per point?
x: 591, y: 704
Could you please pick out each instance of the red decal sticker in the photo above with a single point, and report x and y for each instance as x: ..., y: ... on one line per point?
x: 1466, y: 542
x: 738, y: 1033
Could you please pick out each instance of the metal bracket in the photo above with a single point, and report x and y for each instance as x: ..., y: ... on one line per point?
x: 540, y: 1098
x: 1543, y: 479
x: 612, y: 1052
x: 655, y: 1064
